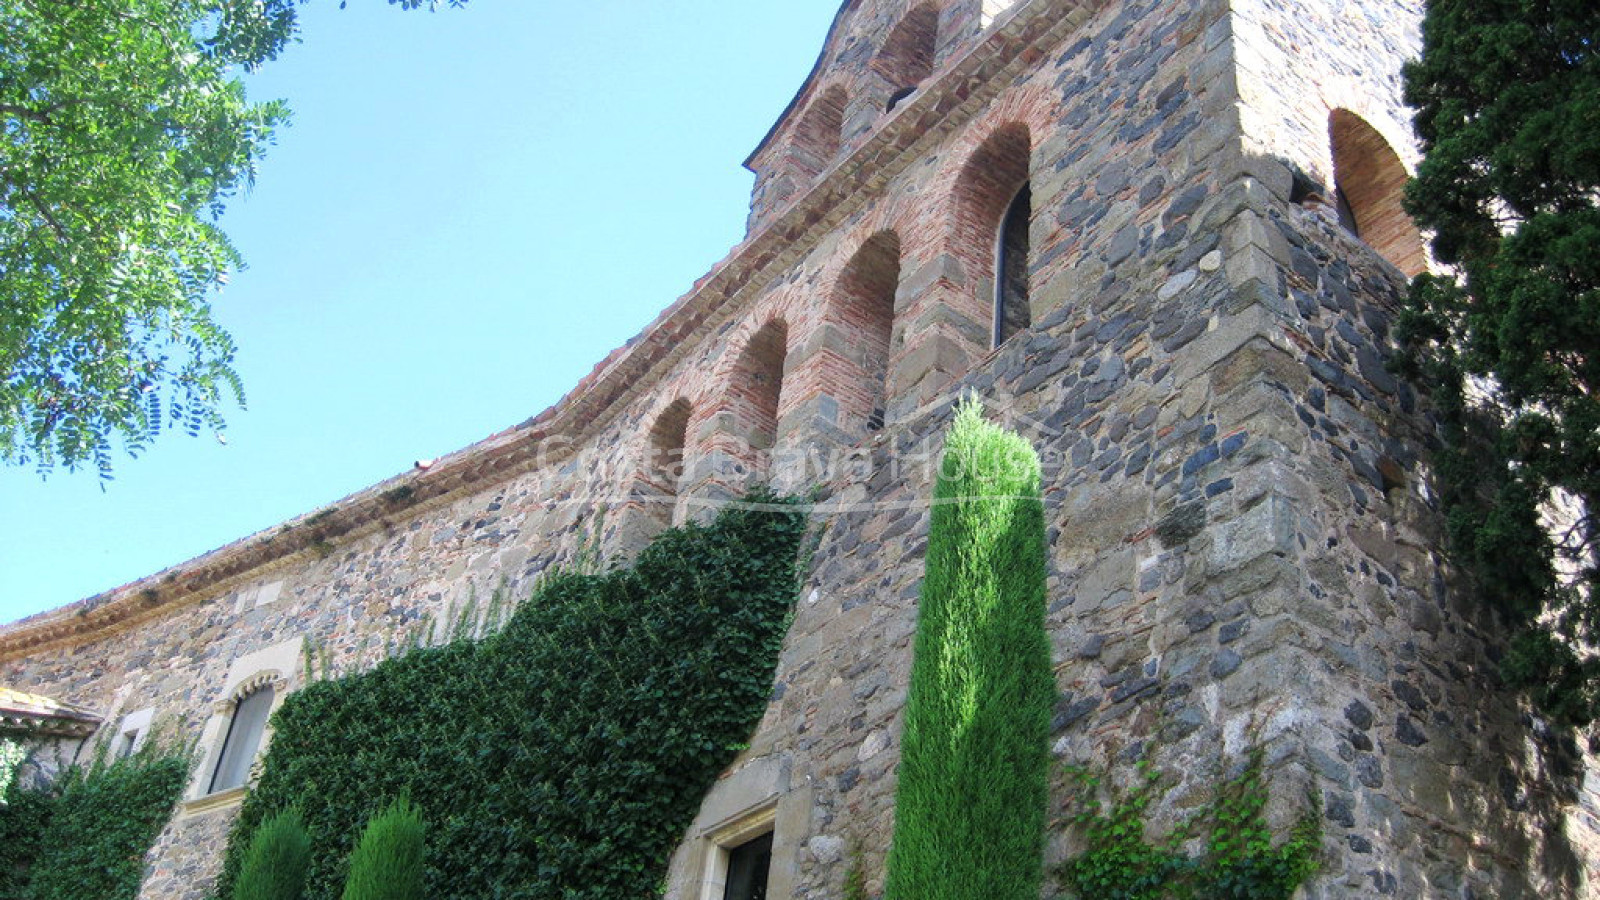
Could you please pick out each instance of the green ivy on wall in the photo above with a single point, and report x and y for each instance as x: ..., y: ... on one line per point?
x: 564, y: 756
x: 85, y: 838
x: 1240, y: 859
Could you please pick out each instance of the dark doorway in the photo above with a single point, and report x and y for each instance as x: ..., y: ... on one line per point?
x: 747, y: 869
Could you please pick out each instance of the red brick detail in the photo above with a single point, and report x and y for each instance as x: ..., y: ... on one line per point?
x: 751, y: 398
x: 668, y: 436
x: 1372, y: 179
x: 985, y: 188
x: 908, y: 54
x: 862, y: 306
x: 815, y: 143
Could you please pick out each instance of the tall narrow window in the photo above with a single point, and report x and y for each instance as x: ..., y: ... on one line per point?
x: 738, y: 862
x: 1370, y: 183
x: 865, y: 309
x: 245, y: 730
x: 1011, y: 311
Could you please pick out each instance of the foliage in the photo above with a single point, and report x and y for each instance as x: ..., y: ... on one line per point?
x: 564, y: 756
x: 974, y: 771
x: 387, y: 862
x: 1508, y: 111
x: 855, y: 883
x: 125, y: 132
x: 12, y: 757
x: 274, y: 867
x: 23, y: 819
x: 87, y: 836
x: 1239, y: 861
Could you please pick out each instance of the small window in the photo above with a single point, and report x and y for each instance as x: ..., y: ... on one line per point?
x: 245, y: 730
x: 739, y: 858
x: 748, y: 865
x: 127, y: 742
x: 1012, y: 312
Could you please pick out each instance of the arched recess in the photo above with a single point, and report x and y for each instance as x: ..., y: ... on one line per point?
x: 756, y: 388
x: 908, y: 54
x: 816, y: 136
x: 664, y: 468
x: 1370, y: 181
x: 662, y: 474
x: 664, y: 471
x: 863, y: 306
x: 993, y: 209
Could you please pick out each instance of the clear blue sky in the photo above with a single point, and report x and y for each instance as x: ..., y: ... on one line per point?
x: 471, y: 208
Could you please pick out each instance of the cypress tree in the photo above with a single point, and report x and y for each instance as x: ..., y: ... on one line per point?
x: 387, y: 863
x: 277, y: 861
x: 1507, y: 96
x: 973, y: 780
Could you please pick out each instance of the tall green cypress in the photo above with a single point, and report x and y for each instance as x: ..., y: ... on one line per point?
x: 387, y: 863
x: 973, y: 788
x: 276, y: 864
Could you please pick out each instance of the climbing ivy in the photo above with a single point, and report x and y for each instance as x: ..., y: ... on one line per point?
x: 1240, y: 859
x: 87, y: 835
x: 564, y: 756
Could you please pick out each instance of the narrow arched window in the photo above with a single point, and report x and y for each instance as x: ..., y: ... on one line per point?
x: 1369, y: 185
x: 246, y: 727
x: 1011, y: 310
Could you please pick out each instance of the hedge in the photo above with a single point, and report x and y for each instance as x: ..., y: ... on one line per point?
x: 564, y: 756
x: 85, y: 838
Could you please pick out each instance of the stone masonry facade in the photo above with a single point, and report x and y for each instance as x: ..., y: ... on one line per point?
x: 1245, y: 548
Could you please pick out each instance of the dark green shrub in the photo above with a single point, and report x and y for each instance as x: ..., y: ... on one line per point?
x: 974, y: 771
x: 564, y: 756
x: 275, y: 866
x: 23, y: 820
x: 102, y: 822
x: 387, y: 862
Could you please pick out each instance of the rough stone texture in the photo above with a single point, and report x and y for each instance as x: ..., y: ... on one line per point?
x: 1245, y: 548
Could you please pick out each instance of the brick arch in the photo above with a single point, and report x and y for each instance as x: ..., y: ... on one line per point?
x: 990, y: 190
x: 666, y: 446
x: 909, y: 53
x: 861, y: 305
x: 662, y: 474
x: 754, y: 389
x: 1370, y: 180
x: 817, y: 135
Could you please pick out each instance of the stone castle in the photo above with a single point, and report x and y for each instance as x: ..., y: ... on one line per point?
x: 1162, y: 238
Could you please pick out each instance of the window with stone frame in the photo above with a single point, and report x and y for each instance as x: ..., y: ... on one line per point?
x: 246, y: 727
x: 739, y: 863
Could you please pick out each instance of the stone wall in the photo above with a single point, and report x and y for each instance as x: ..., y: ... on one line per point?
x: 1244, y: 545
